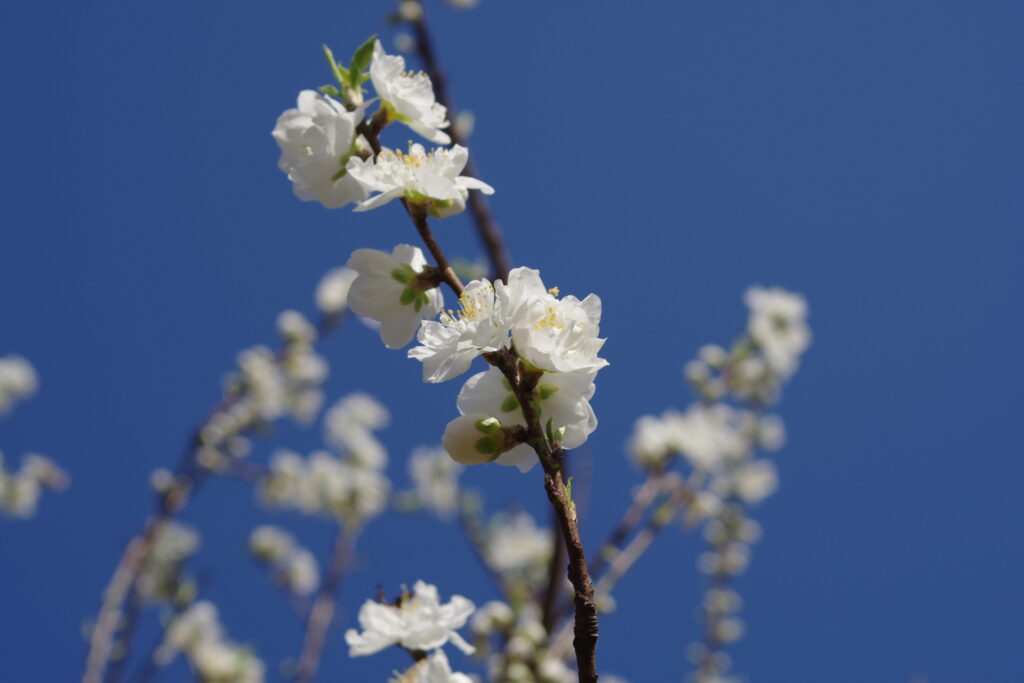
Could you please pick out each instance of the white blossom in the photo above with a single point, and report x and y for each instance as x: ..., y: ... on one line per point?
x: 516, y: 544
x: 408, y: 97
x: 433, y: 669
x: 324, y: 484
x: 332, y: 292
x: 173, y: 544
x: 448, y: 346
x: 349, y: 425
x: 20, y: 491
x: 778, y: 326
x: 198, y: 634
x: 294, y: 327
x: 316, y: 141
x: 18, y: 381
x: 300, y: 572
x: 420, y: 622
x: 653, y: 440
x: 549, y: 332
x: 386, y: 290
x: 435, y: 476
x: 562, y: 397
x: 751, y: 482
x: 428, y: 178
x: 270, y: 543
x: 709, y: 435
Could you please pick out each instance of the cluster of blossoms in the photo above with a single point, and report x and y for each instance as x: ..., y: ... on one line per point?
x: 291, y: 565
x: 162, y: 578
x: 557, y: 338
x: 720, y: 443
x: 761, y: 361
x: 21, y: 489
x: 328, y: 159
x: 418, y: 622
x: 268, y: 386
x: 198, y: 634
x: 350, y: 486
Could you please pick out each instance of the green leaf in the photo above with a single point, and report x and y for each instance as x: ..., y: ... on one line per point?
x: 360, y: 61
x: 329, y: 90
x: 340, y: 72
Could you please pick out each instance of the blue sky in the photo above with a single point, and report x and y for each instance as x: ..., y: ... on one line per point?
x: 664, y: 155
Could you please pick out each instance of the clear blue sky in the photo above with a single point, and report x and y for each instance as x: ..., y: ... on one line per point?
x: 665, y: 155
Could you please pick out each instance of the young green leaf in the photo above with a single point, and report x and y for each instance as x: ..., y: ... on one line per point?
x: 340, y: 72
x: 361, y: 61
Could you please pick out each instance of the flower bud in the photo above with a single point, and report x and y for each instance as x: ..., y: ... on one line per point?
x: 476, y: 438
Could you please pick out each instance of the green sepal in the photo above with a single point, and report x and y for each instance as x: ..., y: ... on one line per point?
x: 488, y: 445
x: 509, y: 404
x: 360, y: 61
x: 403, y: 275
x: 418, y: 304
x: 546, y: 390
x: 340, y: 174
x: 408, y: 294
x: 329, y: 90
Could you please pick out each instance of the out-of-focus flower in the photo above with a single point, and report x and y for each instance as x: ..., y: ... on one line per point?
x: 18, y: 381
x: 332, y: 292
x: 419, y: 622
x: 435, y: 476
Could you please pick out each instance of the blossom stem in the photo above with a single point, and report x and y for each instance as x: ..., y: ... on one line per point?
x: 419, y: 218
x: 479, y: 207
x: 321, y: 614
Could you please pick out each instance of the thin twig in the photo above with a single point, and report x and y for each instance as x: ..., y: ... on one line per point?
x: 479, y: 207
x: 321, y: 614
x: 418, y: 214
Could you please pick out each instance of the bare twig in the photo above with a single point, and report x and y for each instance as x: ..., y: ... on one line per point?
x: 321, y: 614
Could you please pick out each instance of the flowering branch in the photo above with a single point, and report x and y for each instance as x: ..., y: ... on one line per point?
x: 523, y: 382
x: 191, y: 473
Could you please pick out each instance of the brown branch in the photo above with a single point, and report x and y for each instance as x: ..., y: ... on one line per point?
x: 418, y: 213
x: 549, y: 611
x: 524, y: 382
x: 321, y: 614
x: 479, y: 207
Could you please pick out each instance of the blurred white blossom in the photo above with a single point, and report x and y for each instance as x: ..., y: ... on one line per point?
x: 332, y: 292
x: 197, y: 633
x: 18, y: 381
x: 419, y: 622
x: 435, y: 476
